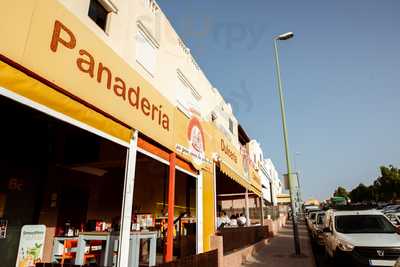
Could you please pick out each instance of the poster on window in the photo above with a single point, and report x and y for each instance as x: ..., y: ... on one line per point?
x: 30, y: 250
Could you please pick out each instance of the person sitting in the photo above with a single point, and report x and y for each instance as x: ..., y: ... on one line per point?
x: 225, y: 218
x: 219, y: 220
x: 233, y: 221
x: 241, y: 220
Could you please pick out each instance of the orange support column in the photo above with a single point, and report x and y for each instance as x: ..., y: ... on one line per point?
x: 171, y: 206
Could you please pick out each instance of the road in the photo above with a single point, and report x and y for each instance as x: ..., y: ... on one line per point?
x: 320, y: 259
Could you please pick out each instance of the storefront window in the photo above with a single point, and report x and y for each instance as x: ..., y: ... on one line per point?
x: 150, y: 208
x: 57, y: 177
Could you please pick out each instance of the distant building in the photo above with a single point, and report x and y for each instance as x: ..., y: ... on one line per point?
x: 311, y: 201
x: 270, y: 182
x: 283, y: 199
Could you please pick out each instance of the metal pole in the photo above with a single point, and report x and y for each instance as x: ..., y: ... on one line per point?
x: 285, y: 137
x: 127, y: 201
x: 246, y: 199
x: 298, y: 177
x: 199, y: 213
x: 262, y: 210
x: 215, y: 196
x: 171, y: 208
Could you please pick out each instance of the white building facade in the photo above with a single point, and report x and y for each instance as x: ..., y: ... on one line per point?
x: 271, y: 184
x: 140, y: 33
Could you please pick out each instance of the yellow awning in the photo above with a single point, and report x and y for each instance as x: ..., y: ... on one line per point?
x: 28, y: 87
x: 239, y: 179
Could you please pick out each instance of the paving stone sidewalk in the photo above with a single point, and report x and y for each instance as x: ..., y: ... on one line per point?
x: 280, y: 250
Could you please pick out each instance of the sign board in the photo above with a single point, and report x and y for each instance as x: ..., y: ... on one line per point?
x: 195, y: 140
x: 30, y: 250
x: 53, y: 43
x: 286, y: 180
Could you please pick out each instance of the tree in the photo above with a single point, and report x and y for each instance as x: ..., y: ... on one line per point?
x: 341, y: 192
x: 388, y: 184
x: 359, y: 194
x: 384, y: 188
x: 362, y: 193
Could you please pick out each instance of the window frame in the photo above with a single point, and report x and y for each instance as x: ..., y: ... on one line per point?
x: 146, y: 35
x: 230, y: 121
x: 109, y: 7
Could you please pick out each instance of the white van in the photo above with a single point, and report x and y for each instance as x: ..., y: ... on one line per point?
x: 361, y: 237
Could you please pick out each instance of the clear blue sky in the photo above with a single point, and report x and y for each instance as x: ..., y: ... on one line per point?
x: 341, y: 77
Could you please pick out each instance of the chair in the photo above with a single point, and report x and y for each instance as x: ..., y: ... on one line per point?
x: 68, y: 254
x: 92, y: 254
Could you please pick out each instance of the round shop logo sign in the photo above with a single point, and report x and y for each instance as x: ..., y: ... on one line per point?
x: 195, y: 137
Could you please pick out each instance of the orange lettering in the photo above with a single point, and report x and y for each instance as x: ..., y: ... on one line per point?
x: 80, y: 62
x: 136, y: 93
x: 58, y: 26
x: 165, y: 122
x: 145, y: 106
x: 100, y: 71
x: 120, y: 90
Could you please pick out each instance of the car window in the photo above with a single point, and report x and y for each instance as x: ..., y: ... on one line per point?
x: 312, y: 217
x: 320, y: 218
x: 357, y: 224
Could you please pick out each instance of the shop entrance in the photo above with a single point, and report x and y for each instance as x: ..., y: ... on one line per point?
x: 151, y: 201
x: 57, y: 175
x: 71, y: 181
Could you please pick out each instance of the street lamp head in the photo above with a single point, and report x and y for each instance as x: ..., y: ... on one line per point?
x: 285, y: 36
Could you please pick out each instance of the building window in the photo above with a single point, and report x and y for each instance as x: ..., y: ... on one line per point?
x: 187, y: 101
x: 145, y: 52
x: 213, y: 116
x: 231, y: 126
x: 98, y: 13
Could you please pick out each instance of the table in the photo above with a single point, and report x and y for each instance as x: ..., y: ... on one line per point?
x: 111, y: 247
x: 135, y: 246
x: 88, y: 236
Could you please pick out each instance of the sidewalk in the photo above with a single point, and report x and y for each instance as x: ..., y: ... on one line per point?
x: 280, y: 250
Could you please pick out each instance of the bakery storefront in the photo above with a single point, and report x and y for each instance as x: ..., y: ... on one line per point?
x: 91, y: 153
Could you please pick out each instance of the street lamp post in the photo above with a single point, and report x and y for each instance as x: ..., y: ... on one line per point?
x: 298, y: 173
x: 292, y: 185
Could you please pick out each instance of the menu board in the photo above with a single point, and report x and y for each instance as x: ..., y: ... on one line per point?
x: 30, y: 250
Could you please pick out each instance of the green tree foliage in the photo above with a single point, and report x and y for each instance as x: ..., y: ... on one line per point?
x: 384, y: 188
x: 359, y: 193
x: 341, y: 192
x: 388, y: 184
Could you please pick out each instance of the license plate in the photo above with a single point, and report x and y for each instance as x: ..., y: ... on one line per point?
x: 381, y: 263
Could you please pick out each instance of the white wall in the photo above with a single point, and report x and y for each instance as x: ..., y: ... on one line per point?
x: 173, y: 58
x: 255, y: 152
x: 273, y: 177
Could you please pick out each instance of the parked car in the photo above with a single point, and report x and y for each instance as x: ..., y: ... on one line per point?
x: 311, y: 219
x: 391, y: 208
x: 317, y: 229
x: 308, y: 209
x: 397, y: 263
x: 360, y: 238
x: 394, y: 217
